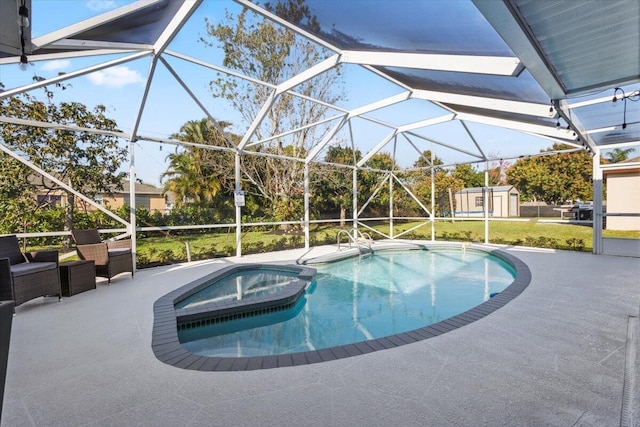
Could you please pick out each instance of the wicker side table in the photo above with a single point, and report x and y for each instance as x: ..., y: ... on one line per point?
x: 77, y: 276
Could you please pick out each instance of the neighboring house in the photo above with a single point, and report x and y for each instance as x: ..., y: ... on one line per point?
x: 623, y: 194
x: 147, y: 196
x: 504, y: 202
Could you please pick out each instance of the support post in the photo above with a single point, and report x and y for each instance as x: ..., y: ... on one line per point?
x: 306, y: 206
x: 238, y: 210
x: 597, y: 223
x: 485, y: 202
x: 451, y: 208
x: 355, y: 198
x: 432, y: 216
x: 391, y: 205
x: 132, y: 202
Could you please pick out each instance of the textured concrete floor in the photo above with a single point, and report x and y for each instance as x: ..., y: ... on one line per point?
x: 554, y: 356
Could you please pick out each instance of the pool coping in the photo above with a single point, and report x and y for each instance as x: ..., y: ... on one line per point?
x: 167, y: 348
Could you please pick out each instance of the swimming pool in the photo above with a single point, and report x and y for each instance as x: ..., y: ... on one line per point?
x: 351, y: 307
x: 360, y: 299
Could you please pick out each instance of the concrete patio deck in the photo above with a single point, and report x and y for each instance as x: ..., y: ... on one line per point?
x: 557, y: 355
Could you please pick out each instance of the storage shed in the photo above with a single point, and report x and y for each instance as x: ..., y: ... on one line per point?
x: 504, y: 202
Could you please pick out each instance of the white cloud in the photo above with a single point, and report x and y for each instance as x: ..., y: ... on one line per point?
x: 56, y: 64
x: 101, y: 5
x: 115, y: 77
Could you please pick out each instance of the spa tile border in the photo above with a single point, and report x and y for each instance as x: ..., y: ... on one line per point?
x: 167, y: 348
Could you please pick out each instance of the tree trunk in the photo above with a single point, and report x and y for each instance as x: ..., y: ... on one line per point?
x: 343, y: 215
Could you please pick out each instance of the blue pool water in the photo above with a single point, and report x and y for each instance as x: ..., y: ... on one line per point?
x: 357, y: 299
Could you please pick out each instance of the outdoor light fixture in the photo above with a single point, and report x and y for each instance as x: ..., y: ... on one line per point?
x: 23, y: 16
x: 23, y: 62
x: 23, y: 57
x: 23, y: 22
x: 624, y: 99
x: 615, y: 92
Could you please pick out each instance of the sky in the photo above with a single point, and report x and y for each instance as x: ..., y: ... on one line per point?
x: 168, y: 106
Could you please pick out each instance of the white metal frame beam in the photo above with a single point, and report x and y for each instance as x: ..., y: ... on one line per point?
x: 199, y: 103
x: 308, y: 74
x: 71, y: 75
x: 377, y: 148
x: 426, y: 123
x: 327, y: 138
x: 257, y: 120
x: 551, y: 131
x: 475, y: 142
x: 392, y: 100
x: 495, y: 65
x: 177, y: 22
x: 443, y: 144
x: 250, y: 79
x: 67, y: 55
x: 295, y: 130
x: 77, y: 44
x: 518, y: 107
x: 143, y: 101
x: 70, y: 128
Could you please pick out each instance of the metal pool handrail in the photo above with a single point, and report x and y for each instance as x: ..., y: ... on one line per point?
x: 357, y: 238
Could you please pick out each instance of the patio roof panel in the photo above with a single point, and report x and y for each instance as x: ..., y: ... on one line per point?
x: 418, y: 26
x: 587, y: 40
x: 142, y: 26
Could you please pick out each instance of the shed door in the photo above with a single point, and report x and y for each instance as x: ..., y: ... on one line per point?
x: 497, y: 207
x: 513, y: 205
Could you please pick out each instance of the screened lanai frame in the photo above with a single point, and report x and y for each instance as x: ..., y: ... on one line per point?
x: 557, y: 85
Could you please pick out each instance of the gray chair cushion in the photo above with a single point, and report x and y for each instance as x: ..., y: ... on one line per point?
x: 116, y: 252
x: 31, y: 267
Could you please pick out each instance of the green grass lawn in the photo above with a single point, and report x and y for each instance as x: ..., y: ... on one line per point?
x: 170, y: 247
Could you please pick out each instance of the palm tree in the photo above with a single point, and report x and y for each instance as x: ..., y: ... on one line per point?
x: 619, y: 155
x: 187, y: 175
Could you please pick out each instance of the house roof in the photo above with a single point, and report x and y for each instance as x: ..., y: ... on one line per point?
x: 624, y: 167
x: 140, y: 188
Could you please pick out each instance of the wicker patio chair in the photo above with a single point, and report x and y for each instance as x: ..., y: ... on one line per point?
x: 111, y: 257
x: 24, y: 277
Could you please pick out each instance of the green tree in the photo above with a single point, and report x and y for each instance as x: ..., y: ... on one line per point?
x: 332, y: 187
x: 369, y: 180
x: 267, y: 52
x: 553, y: 178
x: 469, y: 175
x: 88, y: 162
x: 445, y: 184
x: 191, y: 172
x: 619, y: 154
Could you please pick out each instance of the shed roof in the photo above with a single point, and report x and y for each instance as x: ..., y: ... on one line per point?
x: 496, y: 189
